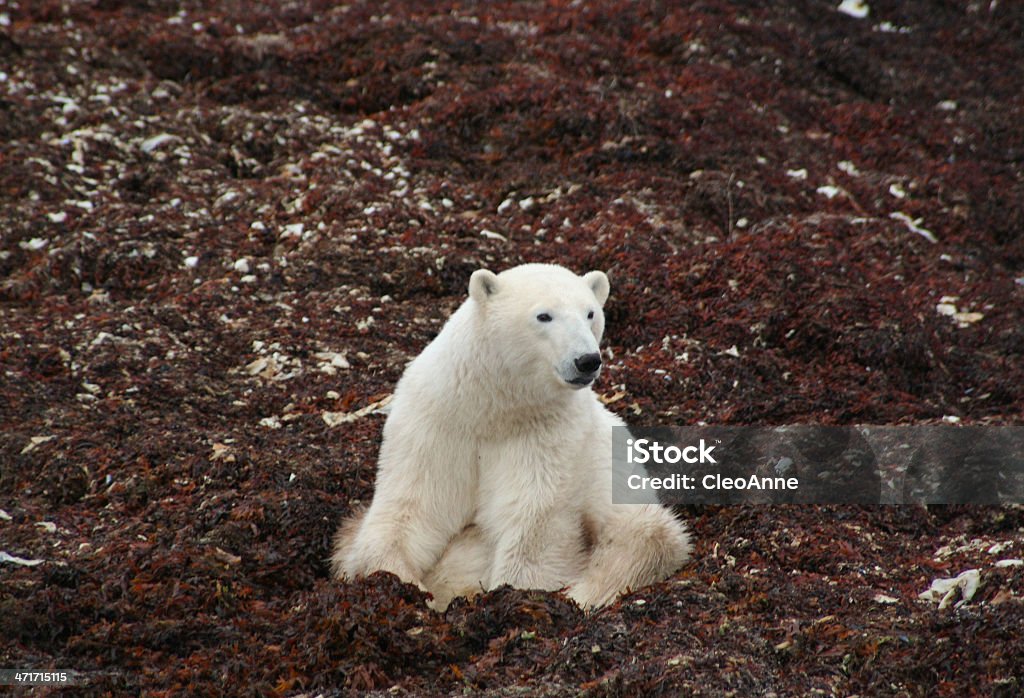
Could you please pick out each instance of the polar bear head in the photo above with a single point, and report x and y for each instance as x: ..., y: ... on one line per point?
x: 542, y: 324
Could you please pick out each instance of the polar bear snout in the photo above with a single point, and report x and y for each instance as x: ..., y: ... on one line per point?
x: 586, y: 367
x: 588, y: 363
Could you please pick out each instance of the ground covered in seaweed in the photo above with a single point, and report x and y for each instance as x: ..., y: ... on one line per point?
x: 225, y: 227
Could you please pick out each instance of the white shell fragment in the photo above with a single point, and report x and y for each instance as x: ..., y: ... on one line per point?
x: 333, y: 419
x: 15, y: 560
x: 154, y: 142
x: 946, y: 306
x: 945, y: 591
x: 854, y: 8
x: 914, y: 226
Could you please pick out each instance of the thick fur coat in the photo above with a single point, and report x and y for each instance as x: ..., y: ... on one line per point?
x: 495, y: 466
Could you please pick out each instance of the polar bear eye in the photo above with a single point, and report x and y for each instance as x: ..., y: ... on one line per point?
x: 590, y: 315
x: 544, y: 317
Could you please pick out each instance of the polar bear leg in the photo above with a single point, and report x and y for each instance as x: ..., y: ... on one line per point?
x: 361, y: 548
x: 391, y: 537
x: 462, y: 570
x: 633, y: 546
x: 423, y: 498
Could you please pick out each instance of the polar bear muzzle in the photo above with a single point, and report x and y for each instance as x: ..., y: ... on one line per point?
x: 588, y: 363
x: 587, y: 366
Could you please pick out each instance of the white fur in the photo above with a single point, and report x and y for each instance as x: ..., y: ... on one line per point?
x: 495, y: 467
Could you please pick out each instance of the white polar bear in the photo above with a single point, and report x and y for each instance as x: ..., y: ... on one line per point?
x: 496, y: 461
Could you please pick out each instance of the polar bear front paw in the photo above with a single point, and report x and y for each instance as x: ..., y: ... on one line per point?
x: 590, y: 598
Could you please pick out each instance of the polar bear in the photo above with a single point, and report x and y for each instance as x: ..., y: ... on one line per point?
x: 495, y: 466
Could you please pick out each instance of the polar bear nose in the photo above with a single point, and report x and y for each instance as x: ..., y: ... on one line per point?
x: 588, y: 363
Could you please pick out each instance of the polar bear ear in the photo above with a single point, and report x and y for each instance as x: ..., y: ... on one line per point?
x: 598, y: 283
x: 482, y: 285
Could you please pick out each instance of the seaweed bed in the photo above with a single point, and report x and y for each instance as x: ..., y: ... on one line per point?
x: 225, y: 227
